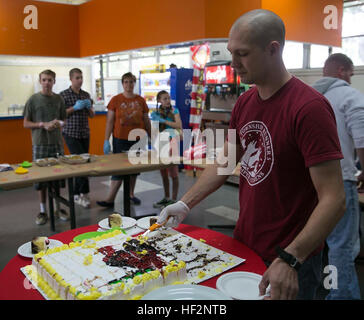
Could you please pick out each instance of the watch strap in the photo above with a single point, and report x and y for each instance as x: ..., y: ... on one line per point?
x: 288, y: 258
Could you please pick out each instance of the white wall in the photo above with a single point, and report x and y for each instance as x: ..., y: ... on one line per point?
x: 19, y: 77
x: 311, y: 75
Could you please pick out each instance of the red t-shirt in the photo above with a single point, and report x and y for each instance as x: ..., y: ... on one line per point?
x: 281, y: 138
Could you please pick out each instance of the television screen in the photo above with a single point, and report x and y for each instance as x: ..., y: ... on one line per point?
x: 223, y: 74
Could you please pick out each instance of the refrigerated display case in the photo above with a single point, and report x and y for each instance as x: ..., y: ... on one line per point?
x: 150, y: 83
x: 177, y: 82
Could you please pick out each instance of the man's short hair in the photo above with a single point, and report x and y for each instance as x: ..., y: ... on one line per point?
x: 264, y: 26
x: 75, y: 70
x: 339, y: 60
x: 48, y: 73
x: 128, y: 75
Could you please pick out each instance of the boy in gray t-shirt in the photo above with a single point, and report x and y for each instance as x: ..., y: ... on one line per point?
x: 44, y: 114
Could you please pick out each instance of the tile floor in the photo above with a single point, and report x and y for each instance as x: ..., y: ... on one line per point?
x: 18, y: 209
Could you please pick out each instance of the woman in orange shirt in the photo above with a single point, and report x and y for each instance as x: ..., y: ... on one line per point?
x: 126, y: 111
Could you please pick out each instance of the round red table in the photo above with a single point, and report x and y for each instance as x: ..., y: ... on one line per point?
x: 14, y: 287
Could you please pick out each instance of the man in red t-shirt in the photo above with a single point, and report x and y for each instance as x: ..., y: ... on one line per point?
x: 291, y: 191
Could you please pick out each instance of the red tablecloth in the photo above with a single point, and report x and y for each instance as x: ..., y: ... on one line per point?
x: 13, y: 286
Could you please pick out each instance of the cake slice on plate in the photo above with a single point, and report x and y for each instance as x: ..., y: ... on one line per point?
x: 115, y: 220
x: 39, y: 244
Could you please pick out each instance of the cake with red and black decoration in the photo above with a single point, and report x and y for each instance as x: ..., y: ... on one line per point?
x: 115, y: 266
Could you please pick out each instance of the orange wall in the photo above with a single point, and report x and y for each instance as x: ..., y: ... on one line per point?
x: 16, y: 142
x: 100, y: 26
x: 114, y: 25
x: 57, y: 34
x: 219, y: 19
x: 122, y: 25
x: 304, y: 20
x: 97, y: 134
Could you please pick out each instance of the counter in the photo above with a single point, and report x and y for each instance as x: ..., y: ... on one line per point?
x: 20, y: 116
x: 16, y: 143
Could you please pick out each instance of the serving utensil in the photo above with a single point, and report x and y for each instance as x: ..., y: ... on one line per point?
x: 155, y: 226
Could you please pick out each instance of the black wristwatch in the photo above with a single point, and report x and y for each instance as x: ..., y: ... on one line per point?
x: 288, y: 258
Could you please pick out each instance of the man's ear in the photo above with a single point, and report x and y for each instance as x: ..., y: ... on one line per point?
x: 274, y: 48
x: 341, y: 70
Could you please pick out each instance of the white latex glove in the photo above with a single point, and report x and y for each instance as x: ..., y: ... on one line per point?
x: 178, y: 211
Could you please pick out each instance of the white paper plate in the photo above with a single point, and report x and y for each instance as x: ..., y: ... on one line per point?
x: 126, y: 222
x: 185, y: 292
x: 25, y: 250
x: 144, y: 223
x: 240, y: 285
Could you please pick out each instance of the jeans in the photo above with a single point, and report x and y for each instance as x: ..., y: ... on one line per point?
x: 79, y: 146
x: 309, y: 277
x: 344, y: 246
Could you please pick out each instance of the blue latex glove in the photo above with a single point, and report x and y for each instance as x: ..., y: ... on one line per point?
x: 107, y: 147
x: 153, y: 115
x: 87, y: 103
x: 156, y: 117
x: 79, y: 105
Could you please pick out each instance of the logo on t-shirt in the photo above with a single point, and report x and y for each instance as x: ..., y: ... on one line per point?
x: 131, y: 113
x: 258, y: 158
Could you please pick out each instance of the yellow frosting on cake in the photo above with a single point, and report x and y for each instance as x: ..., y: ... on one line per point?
x: 127, y: 290
x: 88, y: 260
x: 41, y: 283
x: 64, y: 247
x: 137, y: 279
x: 121, y: 286
x: 155, y: 274
x: 146, y: 277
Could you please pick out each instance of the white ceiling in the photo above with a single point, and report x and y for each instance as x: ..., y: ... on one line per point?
x: 74, y: 2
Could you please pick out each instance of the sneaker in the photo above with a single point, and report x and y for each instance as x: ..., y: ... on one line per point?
x: 135, y: 200
x: 161, y: 203
x: 171, y: 202
x: 168, y: 203
x: 85, y: 201
x: 105, y: 204
x: 42, y: 218
x: 77, y: 199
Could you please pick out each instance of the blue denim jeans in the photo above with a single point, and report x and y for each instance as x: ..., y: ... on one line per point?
x: 344, y: 246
